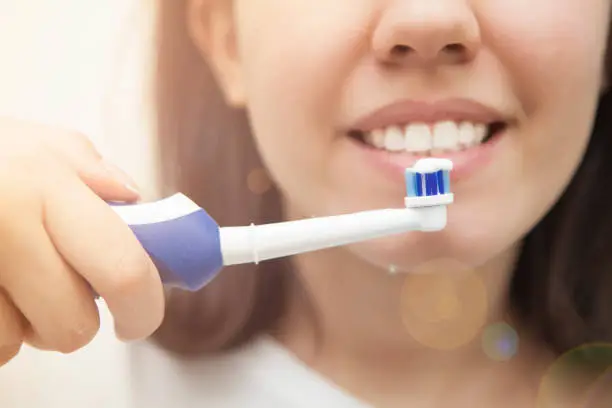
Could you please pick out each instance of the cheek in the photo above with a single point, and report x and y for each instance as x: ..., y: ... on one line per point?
x: 556, y: 76
x: 295, y: 57
x: 552, y: 53
x: 551, y: 50
x: 288, y: 47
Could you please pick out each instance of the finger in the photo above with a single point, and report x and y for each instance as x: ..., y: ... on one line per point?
x: 8, y: 353
x: 72, y: 149
x: 97, y: 243
x: 53, y: 298
x: 107, y: 180
x: 11, y: 323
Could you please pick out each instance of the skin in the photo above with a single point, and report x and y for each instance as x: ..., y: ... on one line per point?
x: 305, y: 71
x: 53, y: 221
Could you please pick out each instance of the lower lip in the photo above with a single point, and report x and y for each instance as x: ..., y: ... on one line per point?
x: 465, y: 162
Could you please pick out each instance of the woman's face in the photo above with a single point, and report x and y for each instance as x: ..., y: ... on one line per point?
x: 344, y: 94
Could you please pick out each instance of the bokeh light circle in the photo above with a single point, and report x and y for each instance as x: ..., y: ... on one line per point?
x: 444, y: 304
x: 582, y: 377
x: 258, y: 181
x: 500, y: 342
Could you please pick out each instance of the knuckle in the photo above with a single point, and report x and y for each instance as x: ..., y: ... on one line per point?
x: 31, y: 150
x: 23, y: 170
x: 75, y: 137
x: 20, y: 143
x: 70, y: 143
x: 132, y: 269
x: 25, y: 156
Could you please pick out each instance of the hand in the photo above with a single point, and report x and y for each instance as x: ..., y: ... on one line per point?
x: 60, y: 241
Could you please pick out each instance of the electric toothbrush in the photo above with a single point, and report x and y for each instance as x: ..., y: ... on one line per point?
x: 190, y: 249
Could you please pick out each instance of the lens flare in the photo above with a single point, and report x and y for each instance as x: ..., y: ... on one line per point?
x: 500, y: 342
x: 444, y: 304
x: 259, y: 181
x: 581, y: 377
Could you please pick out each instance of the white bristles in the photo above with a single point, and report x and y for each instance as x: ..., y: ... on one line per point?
x: 432, y: 165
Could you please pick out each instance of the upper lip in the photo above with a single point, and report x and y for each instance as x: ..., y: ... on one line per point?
x: 410, y: 111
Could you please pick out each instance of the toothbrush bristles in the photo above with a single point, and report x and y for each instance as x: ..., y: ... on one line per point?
x: 428, y: 177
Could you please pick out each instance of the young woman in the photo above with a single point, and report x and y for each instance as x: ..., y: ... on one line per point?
x: 333, y: 100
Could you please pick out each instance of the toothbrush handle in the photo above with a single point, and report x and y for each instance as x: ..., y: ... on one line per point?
x: 186, y: 250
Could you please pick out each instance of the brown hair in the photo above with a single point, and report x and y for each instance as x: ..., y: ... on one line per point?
x: 562, y: 286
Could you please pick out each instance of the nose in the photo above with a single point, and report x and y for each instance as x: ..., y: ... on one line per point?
x: 427, y: 32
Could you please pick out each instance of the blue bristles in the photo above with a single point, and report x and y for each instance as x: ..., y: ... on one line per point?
x: 427, y: 184
x: 440, y: 181
x: 431, y: 184
x: 411, y: 184
x: 446, y: 181
x: 418, y: 180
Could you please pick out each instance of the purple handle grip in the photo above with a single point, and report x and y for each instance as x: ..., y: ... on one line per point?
x: 185, y: 250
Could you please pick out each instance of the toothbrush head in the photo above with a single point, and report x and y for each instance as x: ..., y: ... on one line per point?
x: 428, y: 183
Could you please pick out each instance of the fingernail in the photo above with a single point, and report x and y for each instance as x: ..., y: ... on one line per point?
x: 132, y: 189
x: 122, y: 177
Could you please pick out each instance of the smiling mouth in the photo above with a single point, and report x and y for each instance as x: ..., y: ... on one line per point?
x: 425, y: 139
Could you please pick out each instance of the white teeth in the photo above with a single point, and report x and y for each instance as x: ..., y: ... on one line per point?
x: 417, y: 138
x: 445, y: 136
x: 481, y: 132
x: 467, y: 134
x: 377, y: 138
x: 394, y: 139
x: 423, y: 138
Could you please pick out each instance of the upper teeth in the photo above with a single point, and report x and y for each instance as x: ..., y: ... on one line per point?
x: 420, y: 137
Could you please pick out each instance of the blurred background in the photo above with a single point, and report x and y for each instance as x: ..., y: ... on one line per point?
x: 81, y: 64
